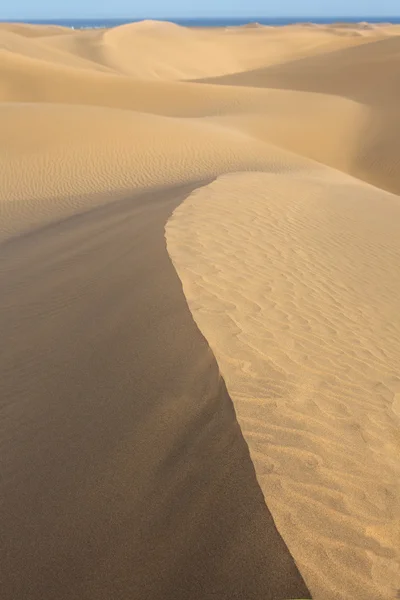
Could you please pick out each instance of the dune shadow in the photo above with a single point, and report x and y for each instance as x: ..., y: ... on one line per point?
x: 348, y: 72
x: 124, y: 471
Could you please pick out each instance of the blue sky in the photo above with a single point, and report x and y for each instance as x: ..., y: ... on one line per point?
x: 195, y: 8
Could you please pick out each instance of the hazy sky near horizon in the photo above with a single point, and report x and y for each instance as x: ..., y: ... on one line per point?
x: 196, y: 8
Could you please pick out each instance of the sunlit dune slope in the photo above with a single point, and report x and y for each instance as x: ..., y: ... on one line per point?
x: 78, y: 69
x: 367, y: 73
x: 292, y: 279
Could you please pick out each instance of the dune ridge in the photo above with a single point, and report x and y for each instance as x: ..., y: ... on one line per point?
x: 281, y: 289
x: 288, y: 251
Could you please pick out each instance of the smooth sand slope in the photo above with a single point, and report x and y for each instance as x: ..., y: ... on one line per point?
x: 125, y: 471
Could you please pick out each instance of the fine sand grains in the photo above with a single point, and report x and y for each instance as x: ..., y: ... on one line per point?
x: 292, y: 279
x: 289, y: 260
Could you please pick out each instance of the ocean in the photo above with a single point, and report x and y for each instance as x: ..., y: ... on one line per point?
x: 220, y: 22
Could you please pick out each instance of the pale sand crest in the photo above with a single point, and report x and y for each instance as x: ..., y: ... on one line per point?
x: 295, y: 290
x: 290, y: 268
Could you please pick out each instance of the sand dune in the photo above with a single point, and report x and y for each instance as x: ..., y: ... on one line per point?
x: 281, y: 287
x: 125, y: 468
x: 29, y: 30
x: 62, y: 51
x: 333, y: 72
x: 356, y: 137
x: 126, y: 480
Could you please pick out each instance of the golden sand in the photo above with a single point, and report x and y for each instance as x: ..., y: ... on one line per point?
x: 288, y: 250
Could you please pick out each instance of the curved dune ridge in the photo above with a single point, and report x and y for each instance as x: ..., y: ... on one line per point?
x: 295, y: 290
x: 284, y: 141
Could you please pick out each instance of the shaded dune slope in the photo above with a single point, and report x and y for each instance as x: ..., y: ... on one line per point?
x: 123, y: 465
x: 367, y: 74
x: 334, y: 72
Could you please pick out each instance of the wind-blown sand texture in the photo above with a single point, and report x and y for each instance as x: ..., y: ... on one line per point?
x: 124, y: 469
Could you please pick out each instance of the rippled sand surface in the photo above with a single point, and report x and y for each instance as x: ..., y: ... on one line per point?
x: 131, y: 468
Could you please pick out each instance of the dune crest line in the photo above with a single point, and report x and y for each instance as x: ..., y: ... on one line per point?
x: 124, y: 471
x: 282, y: 288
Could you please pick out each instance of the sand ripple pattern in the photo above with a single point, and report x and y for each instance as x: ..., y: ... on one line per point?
x: 281, y: 274
x: 291, y: 270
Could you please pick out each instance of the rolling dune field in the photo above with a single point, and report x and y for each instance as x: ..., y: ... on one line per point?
x: 200, y: 326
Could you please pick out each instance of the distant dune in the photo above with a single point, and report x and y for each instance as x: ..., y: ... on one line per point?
x: 184, y: 209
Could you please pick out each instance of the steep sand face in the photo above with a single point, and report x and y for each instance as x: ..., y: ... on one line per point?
x: 124, y: 471
x: 289, y: 262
